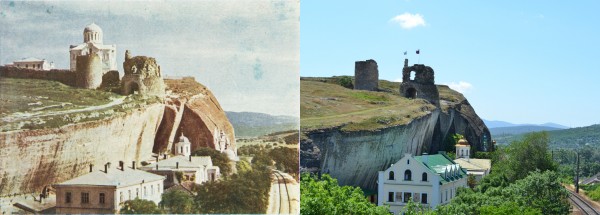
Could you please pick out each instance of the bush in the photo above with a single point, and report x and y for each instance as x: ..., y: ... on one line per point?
x: 139, y: 206
x: 345, y: 81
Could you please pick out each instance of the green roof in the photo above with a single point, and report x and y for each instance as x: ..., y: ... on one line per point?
x: 438, y: 164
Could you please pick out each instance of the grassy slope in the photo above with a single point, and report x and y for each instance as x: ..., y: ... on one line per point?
x: 325, y: 104
x: 21, y: 97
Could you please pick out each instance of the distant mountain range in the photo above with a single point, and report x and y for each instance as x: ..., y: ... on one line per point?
x: 252, y: 124
x: 507, y: 128
x: 560, y: 138
x: 498, y: 124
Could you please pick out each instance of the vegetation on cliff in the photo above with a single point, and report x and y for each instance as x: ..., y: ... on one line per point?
x: 328, y: 102
x: 38, y: 104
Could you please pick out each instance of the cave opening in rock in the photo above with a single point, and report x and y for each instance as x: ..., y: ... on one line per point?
x: 133, y: 88
x: 411, y: 93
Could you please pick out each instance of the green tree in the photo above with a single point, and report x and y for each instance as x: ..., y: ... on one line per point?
x: 325, y: 196
x: 541, y: 190
x: 508, y: 208
x: 243, y: 166
x: 286, y: 159
x: 471, y: 182
x: 139, y: 206
x: 178, y: 202
x: 414, y: 208
x: 345, y: 81
x: 218, y: 159
x: 529, y: 154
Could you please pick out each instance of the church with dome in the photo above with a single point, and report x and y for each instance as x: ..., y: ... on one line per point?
x: 93, y: 45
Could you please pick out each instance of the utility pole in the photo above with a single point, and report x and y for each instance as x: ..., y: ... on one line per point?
x: 577, y: 174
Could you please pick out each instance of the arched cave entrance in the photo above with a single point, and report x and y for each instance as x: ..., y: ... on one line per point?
x: 411, y: 93
x: 132, y: 88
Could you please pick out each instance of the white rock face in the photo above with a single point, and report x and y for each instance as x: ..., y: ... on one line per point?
x: 33, y: 159
x: 354, y: 158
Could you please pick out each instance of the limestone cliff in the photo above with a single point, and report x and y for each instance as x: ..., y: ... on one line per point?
x: 354, y: 156
x: 33, y: 159
x: 192, y: 110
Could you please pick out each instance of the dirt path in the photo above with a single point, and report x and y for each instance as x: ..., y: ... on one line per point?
x: 20, y: 116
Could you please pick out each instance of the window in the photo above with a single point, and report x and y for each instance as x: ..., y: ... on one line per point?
x: 417, y: 197
x: 145, y: 192
x: 407, y: 196
x: 407, y: 161
x: 121, y: 196
x: 446, y: 195
x: 398, y: 196
x: 391, y: 175
x: 85, y: 198
x: 137, y: 192
x: 407, y: 175
x: 151, y: 189
x: 424, y: 176
x: 424, y: 198
x: 129, y: 191
x: 101, y: 198
x: 68, y: 197
x: 390, y: 196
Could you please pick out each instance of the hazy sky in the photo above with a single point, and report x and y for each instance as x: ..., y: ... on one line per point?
x: 517, y: 61
x: 246, y: 52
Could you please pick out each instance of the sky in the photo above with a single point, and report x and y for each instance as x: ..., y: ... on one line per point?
x: 245, y: 52
x: 515, y: 61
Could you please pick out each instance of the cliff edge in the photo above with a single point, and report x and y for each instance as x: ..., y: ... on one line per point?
x: 352, y: 134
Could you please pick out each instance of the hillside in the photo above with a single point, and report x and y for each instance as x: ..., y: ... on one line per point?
x: 520, y: 129
x: 251, y: 124
x: 37, y: 104
x: 326, y: 104
x: 566, y: 138
x: 352, y: 134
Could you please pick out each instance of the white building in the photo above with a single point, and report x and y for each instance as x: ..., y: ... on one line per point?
x: 33, y: 63
x: 431, y: 180
x: 479, y: 168
x: 103, y: 191
x: 198, y: 169
x: 93, y: 44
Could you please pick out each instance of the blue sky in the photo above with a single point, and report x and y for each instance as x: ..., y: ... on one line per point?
x: 516, y: 61
x: 245, y: 52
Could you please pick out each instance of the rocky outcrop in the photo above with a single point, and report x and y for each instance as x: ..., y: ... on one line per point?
x: 354, y: 158
x: 142, y: 75
x: 193, y: 111
x: 33, y: 159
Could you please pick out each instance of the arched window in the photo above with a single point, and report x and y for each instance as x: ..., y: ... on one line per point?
x: 407, y: 175
x: 391, y: 176
x: 407, y: 161
x: 424, y: 176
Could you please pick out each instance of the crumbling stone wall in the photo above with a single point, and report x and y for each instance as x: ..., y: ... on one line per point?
x: 89, y: 71
x: 142, y: 75
x: 64, y: 76
x: 366, y: 75
x: 422, y: 86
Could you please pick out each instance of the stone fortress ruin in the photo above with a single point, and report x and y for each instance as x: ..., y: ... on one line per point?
x: 422, y: 86
x: 93, y: 65
x: 366, y: 75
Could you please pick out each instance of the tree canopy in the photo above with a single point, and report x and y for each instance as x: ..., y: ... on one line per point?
x: 325, y: 196
x: 139, y: 206
x: 218, y: 159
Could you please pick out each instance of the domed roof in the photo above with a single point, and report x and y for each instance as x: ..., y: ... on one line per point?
x: 92, y: 28
x: 463, y: 142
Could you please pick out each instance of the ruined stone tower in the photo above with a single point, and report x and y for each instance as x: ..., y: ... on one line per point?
x: 366, y: 75
x: 89, y: 71
x: 142, y: 76
x: 423, y: 84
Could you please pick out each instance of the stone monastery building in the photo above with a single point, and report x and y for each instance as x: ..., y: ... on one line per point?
x: 93, y: 45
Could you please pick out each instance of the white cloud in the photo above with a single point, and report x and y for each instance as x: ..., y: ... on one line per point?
x: 461, y: 86
x: 408, y: 21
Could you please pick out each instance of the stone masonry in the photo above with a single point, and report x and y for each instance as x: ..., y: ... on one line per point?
x: 366, y: 75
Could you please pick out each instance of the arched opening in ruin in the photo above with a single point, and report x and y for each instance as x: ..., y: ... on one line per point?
x: 411, y: 93
x: 132, y: 88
